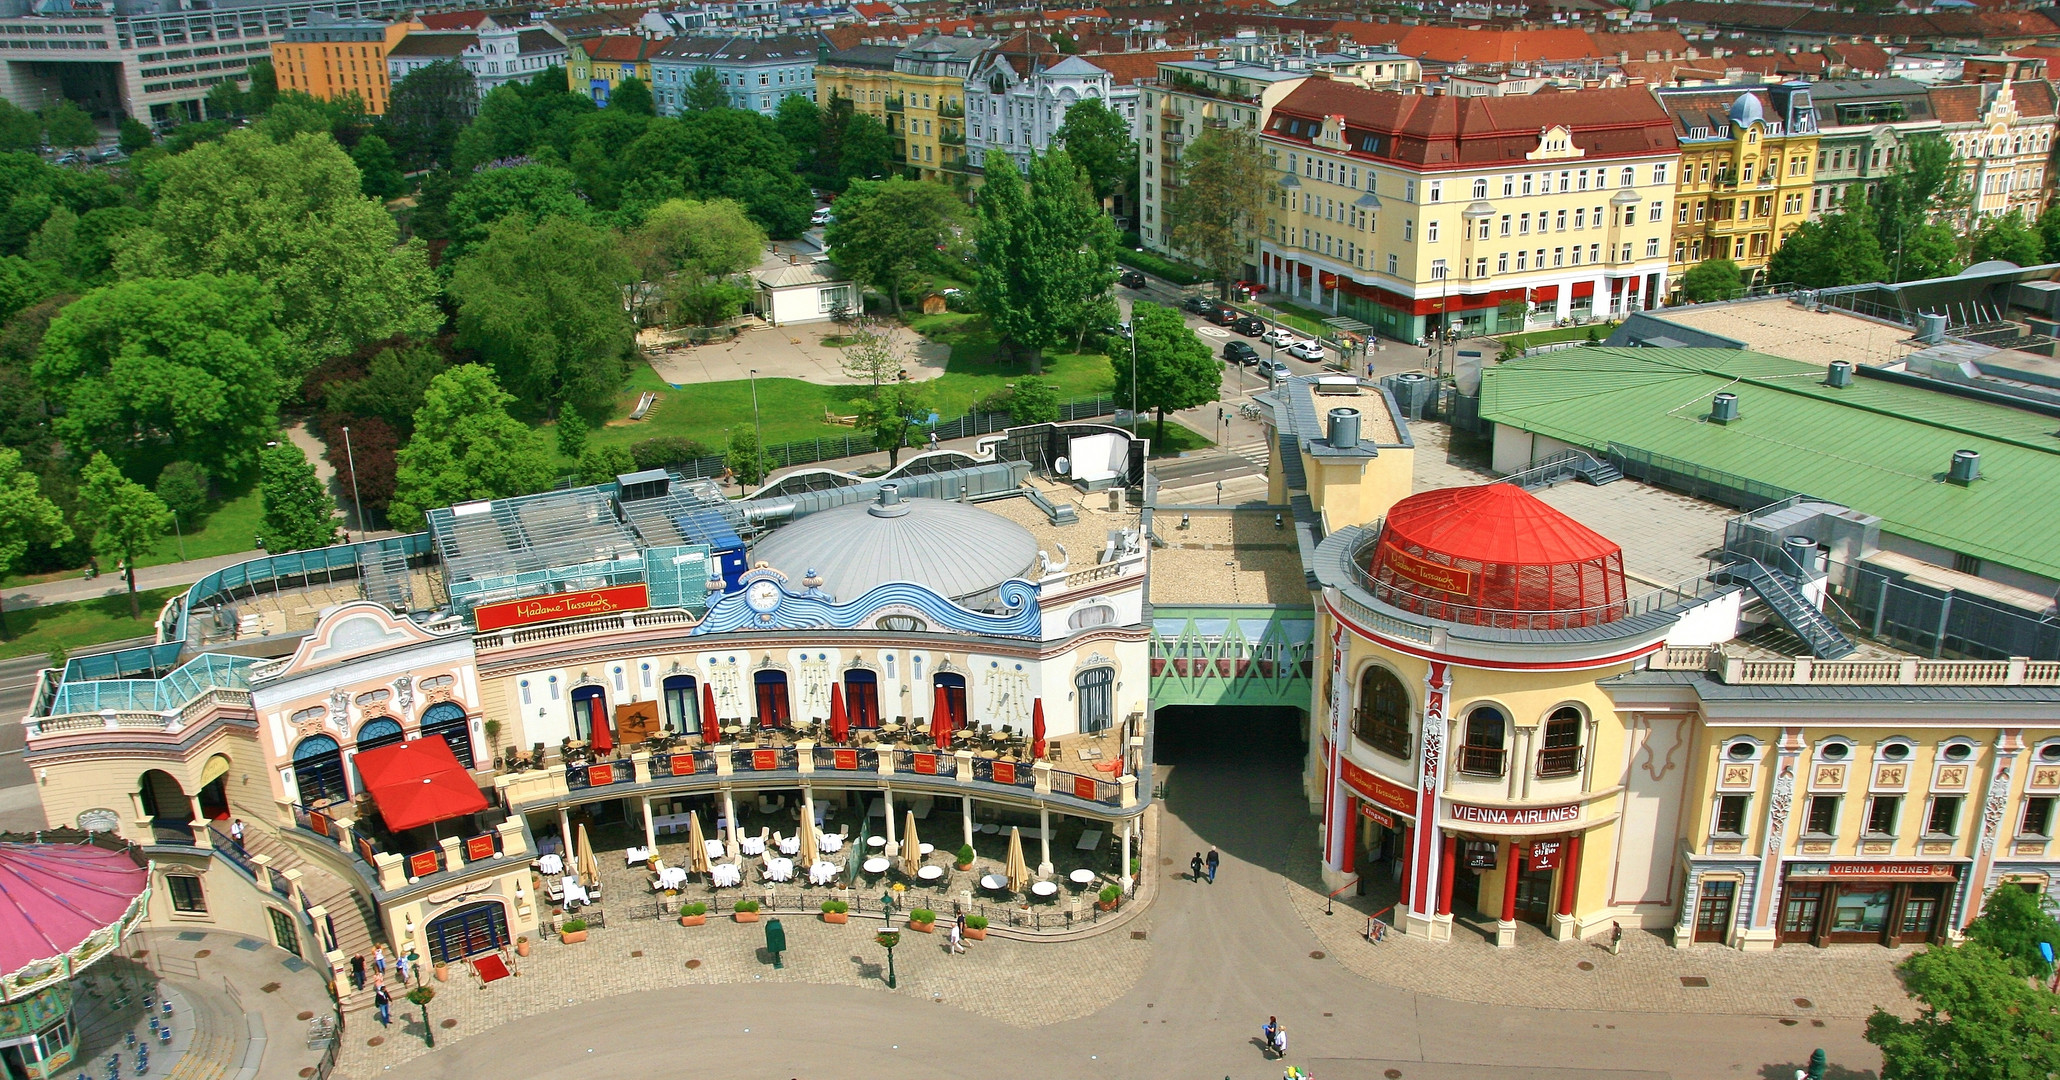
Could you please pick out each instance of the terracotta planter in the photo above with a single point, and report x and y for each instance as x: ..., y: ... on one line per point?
x: 572, y: 937
x: 522, y: 947
x: 1106, y: 905
x: 747, y: 916
x: 443, y: 973
x: 922, y: 927
x: 836, y: 916
x: 962, y: 867
x: 976, y: 933
x: 693, y: 920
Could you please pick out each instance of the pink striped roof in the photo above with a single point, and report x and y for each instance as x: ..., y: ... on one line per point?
x: 54, y: 896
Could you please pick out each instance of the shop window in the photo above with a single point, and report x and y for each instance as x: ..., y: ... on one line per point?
x: 1945, y: 816
x: 1481, y: 754
x: 1882, y: 811
x: 2038, y: 816
x: 1382, y: 718
x: 1731, y: 814
x: 187, y: 896
x: 1561, y: 755
x: 1822, y: 817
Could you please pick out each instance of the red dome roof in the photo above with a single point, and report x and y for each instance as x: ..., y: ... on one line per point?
x: 1495, y: 555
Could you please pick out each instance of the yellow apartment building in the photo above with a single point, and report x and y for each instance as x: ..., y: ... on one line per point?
x: 918, y: 91
x: 1747, y: 161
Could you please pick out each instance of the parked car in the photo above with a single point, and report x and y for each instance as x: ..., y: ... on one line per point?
x: 1240, y: 353
x: 1245, y: 290
x: 822, y: 217
x: 1274, y: 369
x: 1130, y: 279
x: 1250, y: 326
x: 1277, y: 337
x: 1307, y: 350
x: 1221, y: 316
x: 1198, y: 305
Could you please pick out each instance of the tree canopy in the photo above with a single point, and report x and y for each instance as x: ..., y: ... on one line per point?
x: 298, y: 513
x: 886, y: 230
x: 1098, y: 139
x: 543, y: 305
x: 1215, y: 202
x: 1175, y: 369
x: 27, y: 517
x: 1712, y: 279
x: 123, y: 518
x: 705, y: 91
x: 1838, y: 249
x: 2006, y: 236
x: 1976, y: 1016
x: 427, y: 110
x: 466, y: 447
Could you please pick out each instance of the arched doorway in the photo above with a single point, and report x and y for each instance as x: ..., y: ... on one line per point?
x: 318, y: 771
x: 165, y: 804
x: 589, y: 708
x: 862, y: 698
x: 447, y: 721
x: 383, y: 731
x: 953, y: 687
x: 682, y: 703
x: 772, y: 698
x: 214, y: 788
x: 1094, y: 688
x: 468, y: 931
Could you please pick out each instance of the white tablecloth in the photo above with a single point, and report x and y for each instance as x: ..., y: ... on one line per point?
x: 927, y: 848
x: 790, y: 845
x: 876, y: 841
x: 725, y: 875
x: 1082, y: 876
x: 752, y: 845
x: 575, y: 893
x: 829, y: 843
x: 672, y: 877
x: 876, y: 865
x: 994, y: 883
x: 635, y: 855
x: 930, y: 873
x: 551, y: 865
x: 1043, y: 888
x: 777, y: 869
x: 823, y: 873
x: 714, y: 848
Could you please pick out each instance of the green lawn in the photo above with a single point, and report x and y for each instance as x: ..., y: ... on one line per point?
x: 230, y: 528
x: 791, y: 410
x: 1307, y: 320
x: 1557, y: 333
x: 36, y: 631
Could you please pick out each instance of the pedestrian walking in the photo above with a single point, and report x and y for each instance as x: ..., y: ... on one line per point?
x: 400, y: 964
x: 1279, y: 1041
x: 1212, y: 861
x: 958, y: 939
x: 384, y: 1002
x: 1194, y: 866
x: 357, y: 971
x: 236, y: 831
x: 379, y: 961
x: 1266, y: 1032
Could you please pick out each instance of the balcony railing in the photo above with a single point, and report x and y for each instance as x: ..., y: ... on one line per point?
x: 895, y: 104
x: 1557, y: 761
x: 1481, y: 760
x: 951, y: 110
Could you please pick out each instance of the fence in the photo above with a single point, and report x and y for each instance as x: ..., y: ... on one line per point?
x: 1055, y: 915
x: 1689, y: 478
x: 836, y: 447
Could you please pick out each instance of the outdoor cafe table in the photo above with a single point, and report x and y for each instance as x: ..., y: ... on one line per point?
x: 672, y: 877
x: 575, y: 893
x: 994, y: 883
x: 876, y: 865
x: 779, y: 869
x: 635, y: 855
x: 828, y: 843
x: 925, y: 849
x: 551, y: 865
x: 1082, y: 876
x: 822, y: 873
x: 725, y: 874
x: 714, y: 849
x: 790, y: 845
x: 1044, y: 888
x: 752, y: 845
x: 876, y: 841
x: 930, y: 873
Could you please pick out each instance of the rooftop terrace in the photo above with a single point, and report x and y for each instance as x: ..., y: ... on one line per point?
x: 1778, y: 327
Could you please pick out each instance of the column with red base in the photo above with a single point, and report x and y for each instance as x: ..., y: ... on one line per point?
x: 1445, y: 875
x: 1428, y: 850
x: 1505, y: 929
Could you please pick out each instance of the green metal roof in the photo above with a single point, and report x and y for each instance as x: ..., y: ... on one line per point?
x: 1879, y: 447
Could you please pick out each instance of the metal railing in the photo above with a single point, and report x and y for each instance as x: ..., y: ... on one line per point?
x: 1056, y: 914
x: 1558, y: 761
x: 1386, y: 735
x: 1482, y: 760
x: 1395, y: 596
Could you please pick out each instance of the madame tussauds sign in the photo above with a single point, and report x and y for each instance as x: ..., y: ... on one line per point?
x: 571, y: 605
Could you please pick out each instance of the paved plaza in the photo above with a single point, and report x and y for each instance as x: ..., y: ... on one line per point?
x: 1179, y: 992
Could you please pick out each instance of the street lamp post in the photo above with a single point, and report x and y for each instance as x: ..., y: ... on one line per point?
x: 757, y: 430
x: 181, y: 534
x: 356, y: 504
x: 888, y: 937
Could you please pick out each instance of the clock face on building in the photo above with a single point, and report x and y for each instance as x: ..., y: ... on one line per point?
x: 763, y: 596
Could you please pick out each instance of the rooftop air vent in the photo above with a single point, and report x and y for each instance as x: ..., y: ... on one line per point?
x: 1966, y: 467
x: 1343, y: 430
x: 1724, y: 409
x: 1840, y: 375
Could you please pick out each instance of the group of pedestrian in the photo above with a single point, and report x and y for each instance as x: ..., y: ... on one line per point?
x: 1198, y: 866
x: 1275, y: 1037
x: 382, y: 999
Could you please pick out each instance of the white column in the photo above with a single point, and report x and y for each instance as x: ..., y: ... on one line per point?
x: 565, y: 835
x: 1044, y: 839
x: 729, y: 812
x: 888, y: 810
x: 1563, y: 301
x: 1127, y: 882
x: 966, y: 814
x: 650, y: 832
x: 808, y: 808
x: 1598, y: 306
x: 1316, y: 285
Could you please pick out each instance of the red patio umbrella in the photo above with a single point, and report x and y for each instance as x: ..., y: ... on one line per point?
x: 418, y: 782
x: 840, y: 725
x: 711, y: 732
x: 940, y: 719
x: 1037, y: 728
x: 604, y: 739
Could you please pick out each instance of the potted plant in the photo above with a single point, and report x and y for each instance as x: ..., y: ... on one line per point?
x: 522, y: 946
x: 976, y: 927
x: 922, y: 919
x: 572, y: 931
x: 965, y: 856
x: 694, y: 913
x: 747, y: 911
x: 1109, y: 898
x: 443, y: 972
x: 493, y: 733
x: 836, y: 911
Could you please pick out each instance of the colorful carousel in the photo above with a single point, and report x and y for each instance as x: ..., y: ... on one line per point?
x: 66, y: 902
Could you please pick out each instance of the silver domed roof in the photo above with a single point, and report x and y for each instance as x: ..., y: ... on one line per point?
x: 1746, y: 110
x: 955, y: 549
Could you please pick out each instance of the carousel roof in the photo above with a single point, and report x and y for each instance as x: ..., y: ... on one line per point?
x: 54, y: 896
x: 954, y: 548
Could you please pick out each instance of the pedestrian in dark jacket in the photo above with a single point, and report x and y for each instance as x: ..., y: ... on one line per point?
x: 384, y: 1002
x: 357, y: 972
x: 1195, y: 866
x: 1213, y: 860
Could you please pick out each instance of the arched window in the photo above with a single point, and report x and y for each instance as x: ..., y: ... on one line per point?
x: 1561, y: 754
x: 1382, y: 718
x: 589, y: 707
x: 1094, y: 687
x: 951, y: 688
x: 683, y: 703
x: 862, y: 698
x: 772, y: 698
x: 1482, y: 753
x: 378, y: 733
x: 1091, y: 615
x: 318, y: 771
x: 447, y: 719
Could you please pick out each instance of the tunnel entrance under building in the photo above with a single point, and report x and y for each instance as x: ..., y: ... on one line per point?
x: 1189, y: 732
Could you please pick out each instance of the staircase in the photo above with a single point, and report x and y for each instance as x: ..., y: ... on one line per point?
x: 1565, y: 465
x: 1825, y: 639
x: 351, y: 918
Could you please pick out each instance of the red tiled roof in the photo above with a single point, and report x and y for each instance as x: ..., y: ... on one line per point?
x: 873, y: 11
x: 1445, y: 132
x: 452, y: 20
x: 847, y: 37
x: 1640, y: 43
x: 1860, y: 56
x: 1956, y: 104
x: 632, y: 48
x: 1129, y: 67
x: 2033, y: 97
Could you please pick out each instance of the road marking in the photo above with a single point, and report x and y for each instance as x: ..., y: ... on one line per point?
x: 1212, y: 331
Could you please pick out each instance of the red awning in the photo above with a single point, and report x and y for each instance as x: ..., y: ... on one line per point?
x: 418, y: 782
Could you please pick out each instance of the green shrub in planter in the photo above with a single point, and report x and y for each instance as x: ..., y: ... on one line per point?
x: 965, y: 855
x: 976, y: 922
x: 835, y: 907
x: 746, y: 905
x: 1110, y: 894
x: 692, y: 909
x: 572, y: 926
x: 922, y: 915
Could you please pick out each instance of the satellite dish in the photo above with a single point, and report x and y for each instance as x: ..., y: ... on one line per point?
x: 1064, y: 466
